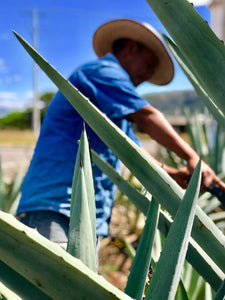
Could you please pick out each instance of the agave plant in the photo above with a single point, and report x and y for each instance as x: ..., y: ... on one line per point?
x: 57, y: 274
x: 10, y: 192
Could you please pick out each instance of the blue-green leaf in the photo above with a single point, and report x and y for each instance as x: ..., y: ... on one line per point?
x: 82, y: 228
x: 145, y: 169
x: 140, y: 266
x: 176, y: 245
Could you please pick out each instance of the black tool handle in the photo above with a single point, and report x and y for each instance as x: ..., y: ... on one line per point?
x: 215, y: 190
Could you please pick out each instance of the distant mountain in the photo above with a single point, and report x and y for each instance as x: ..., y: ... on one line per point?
x: 174, y: 102
x: 167, y: 102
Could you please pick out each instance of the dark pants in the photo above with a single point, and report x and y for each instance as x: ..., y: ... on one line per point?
x: 54, y: 226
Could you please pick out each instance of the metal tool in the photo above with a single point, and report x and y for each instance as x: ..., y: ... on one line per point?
x: 215, y: 190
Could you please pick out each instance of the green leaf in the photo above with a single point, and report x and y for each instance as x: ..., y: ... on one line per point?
x: 146, y: 170
x: 198, y: 258
x: 181, y: 292
x: 82, y: 228
x: 140, y: 266
x: 14, y: 191
x: 176, y: 245
x: 83, y: 155
x: 19, y: 285
x: 195, y: 81
x: 195, y: 255
x: 202, y: 49
x: 2, y: 188
x: 219, y: 150
x: 5, y: 293
x: 221, y: 292
x: 141, y: 202
x: 57, y: 273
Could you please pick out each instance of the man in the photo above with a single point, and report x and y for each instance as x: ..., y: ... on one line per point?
x: 129, y: 54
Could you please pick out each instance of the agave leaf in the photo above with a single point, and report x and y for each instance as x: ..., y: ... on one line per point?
x: 220, y: 150
x: 54, y: 271
x: 6, y: 293
x: 2, y: 188
x: 195, y: 131
x: 129, y: 248
x: 14, y: 190
x: 80, y: 241
x: 202, y: 263
x: 200, y: 46
x: 154, y: 179
x: 140, y: 266
x: 82, y: 228
x: 181, y: 292
x: 83, y: 155
x: 176, y: 245
x: 221, y: 292
x: 195, y: 255
x: 141, y: 202
x: 19, y: 285
x: 195, y: 81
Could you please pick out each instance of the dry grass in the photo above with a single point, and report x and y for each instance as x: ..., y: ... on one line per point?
x: 14, y: 137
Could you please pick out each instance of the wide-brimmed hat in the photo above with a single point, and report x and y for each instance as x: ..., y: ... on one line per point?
x: 145, y: 34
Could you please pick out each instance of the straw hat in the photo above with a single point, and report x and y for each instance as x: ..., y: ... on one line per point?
x: 145, y: 34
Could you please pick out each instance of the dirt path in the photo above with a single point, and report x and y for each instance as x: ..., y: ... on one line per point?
x: 14, y: 158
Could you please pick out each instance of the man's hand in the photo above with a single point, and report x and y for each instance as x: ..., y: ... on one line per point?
x: 208, y: 175
x: 180, y: 175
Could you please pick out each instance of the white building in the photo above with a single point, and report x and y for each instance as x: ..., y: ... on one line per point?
x: 217, y: 9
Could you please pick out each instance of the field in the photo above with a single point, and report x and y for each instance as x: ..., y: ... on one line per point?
x: 16, y: 149
x: 17, y: 138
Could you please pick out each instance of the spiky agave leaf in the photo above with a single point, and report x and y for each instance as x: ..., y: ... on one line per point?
x: 80, y: 240
x: 6, y: 293
x: 82, y: 228
x: 145, y: 169
x: 195, y: 255
x: 47, y: 266
x: 199, y: 45
x: 221, y: 292
x: 2, y: 188
x: 176, y: 245
x: 140, y: 266
x: 18, y: 285
x: 195, y: 81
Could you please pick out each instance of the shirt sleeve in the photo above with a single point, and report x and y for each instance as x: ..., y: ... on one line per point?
x: 112, y: 90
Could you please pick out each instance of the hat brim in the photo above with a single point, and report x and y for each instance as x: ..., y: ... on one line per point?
x: 111, y: 31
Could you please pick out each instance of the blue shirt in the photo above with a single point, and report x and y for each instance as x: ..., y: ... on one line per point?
x: 47, y: 184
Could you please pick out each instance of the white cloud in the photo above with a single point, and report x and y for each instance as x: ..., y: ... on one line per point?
x: 11, y: 101
x: 13, y: 79
x: 3, y: 67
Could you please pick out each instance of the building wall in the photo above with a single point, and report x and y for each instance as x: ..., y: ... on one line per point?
x: 217, y: 9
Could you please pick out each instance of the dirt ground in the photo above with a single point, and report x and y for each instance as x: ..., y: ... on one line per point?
x: 14, y: 158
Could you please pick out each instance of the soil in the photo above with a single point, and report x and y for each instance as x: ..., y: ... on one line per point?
x: 13, y: 159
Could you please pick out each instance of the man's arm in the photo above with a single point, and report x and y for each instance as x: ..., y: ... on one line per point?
x: 152, y: 122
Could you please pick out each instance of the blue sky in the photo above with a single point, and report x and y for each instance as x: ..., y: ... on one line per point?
x: 65, y: 30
